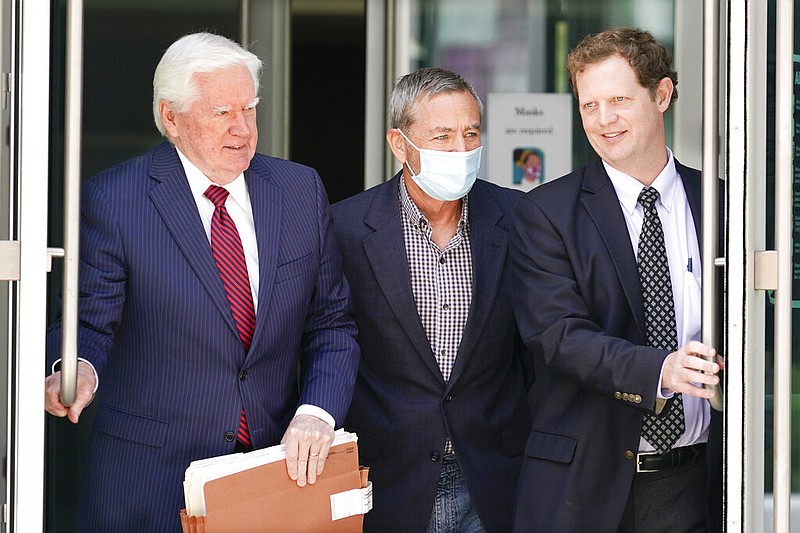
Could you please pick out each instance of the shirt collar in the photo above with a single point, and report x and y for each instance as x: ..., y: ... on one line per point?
x: 199, y: 182
x: 628, y: 187
x: 418, y: 219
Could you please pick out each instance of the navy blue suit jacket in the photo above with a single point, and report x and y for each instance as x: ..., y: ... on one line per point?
x: 578, y: 303
x: 402, y: 409
x: 156, y: 324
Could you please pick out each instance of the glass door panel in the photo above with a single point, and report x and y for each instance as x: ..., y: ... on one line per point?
x: 782, y: 472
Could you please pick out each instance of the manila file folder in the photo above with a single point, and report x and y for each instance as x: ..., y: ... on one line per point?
x: 264, y: 499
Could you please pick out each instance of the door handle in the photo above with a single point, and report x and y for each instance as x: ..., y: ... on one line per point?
x: 710, y: 185
x: 72, y: 207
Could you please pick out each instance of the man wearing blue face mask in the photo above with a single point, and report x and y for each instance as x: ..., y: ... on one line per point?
x: 440, y: 405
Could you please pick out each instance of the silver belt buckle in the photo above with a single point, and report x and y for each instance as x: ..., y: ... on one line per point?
x: 639, y: 468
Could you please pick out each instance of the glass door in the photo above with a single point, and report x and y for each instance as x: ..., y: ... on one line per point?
x: 759, y: 95
x: 783, y: 209
x: 519, y: 46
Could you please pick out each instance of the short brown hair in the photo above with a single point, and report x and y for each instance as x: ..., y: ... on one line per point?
x: 649, y: 59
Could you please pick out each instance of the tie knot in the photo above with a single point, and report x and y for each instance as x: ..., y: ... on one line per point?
x: 217, y: 195
x: 648, y: 196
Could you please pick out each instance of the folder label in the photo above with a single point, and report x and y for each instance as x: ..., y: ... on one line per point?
x: 351, y: 502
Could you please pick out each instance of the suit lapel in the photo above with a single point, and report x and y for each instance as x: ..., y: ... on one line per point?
x: 691, y: 184
x: 172, y: 198
x: 601, y: 202
x: 386, y: 253
x: 267, y: 204
x: 489, y: 245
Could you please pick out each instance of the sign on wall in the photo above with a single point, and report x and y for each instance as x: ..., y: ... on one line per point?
x: 530, y: 138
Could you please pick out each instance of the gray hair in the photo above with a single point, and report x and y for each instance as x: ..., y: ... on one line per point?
x: 174, y: 81
x: 428, y: 81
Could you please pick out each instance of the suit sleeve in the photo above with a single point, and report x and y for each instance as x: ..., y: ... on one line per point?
x: 330, y: 351
x: 561, y: 314
x: 103, y: 277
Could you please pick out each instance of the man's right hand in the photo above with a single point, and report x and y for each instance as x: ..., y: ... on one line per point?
x: 686, y: 370
x: 83, y: 397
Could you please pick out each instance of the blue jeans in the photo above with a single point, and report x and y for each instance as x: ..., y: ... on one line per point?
x: 453, y: 511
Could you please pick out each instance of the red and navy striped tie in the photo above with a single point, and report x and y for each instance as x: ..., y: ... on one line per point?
x: 226, y: 246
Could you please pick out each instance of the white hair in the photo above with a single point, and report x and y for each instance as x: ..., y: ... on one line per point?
x: 174, y: 81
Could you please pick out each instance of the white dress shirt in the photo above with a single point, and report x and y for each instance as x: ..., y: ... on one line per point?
x: 683, y: 253
x: 241, y: 211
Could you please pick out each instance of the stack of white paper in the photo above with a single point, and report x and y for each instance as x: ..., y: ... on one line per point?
x: 204, y: 470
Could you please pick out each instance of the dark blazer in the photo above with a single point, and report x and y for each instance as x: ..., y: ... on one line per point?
x: 578, y: 303
x: 157, y: 326
x: 402, y: 409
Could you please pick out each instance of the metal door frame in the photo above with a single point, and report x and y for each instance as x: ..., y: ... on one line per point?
x: 30, y: 96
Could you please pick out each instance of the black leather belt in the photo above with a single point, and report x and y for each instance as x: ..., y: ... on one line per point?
x: 653, y: 462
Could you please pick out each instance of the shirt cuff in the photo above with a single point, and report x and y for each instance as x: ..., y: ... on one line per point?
x: 319, y: 412
x: 662, y: 395
x: 57, y: 367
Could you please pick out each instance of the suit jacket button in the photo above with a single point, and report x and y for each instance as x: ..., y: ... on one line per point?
x: 243, y: 375
x: 618, y: 395
x: 435, y: 456
x: 448, y: 398
x: 629, y: 454
x: 229, y: 436
x: 637, y: 399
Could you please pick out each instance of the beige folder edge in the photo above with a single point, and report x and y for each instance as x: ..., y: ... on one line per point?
x: 264, y: 499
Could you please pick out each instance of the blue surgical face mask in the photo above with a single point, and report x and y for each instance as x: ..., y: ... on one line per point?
x: 445, y: 176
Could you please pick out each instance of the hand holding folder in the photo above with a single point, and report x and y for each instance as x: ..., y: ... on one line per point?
x: 246, y: 492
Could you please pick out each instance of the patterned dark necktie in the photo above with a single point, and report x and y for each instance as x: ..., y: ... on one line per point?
x: 226, y: 246
x: 659, y: 311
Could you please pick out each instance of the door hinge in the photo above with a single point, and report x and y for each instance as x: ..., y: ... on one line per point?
x: 9, y: 260
x: 766, y: 270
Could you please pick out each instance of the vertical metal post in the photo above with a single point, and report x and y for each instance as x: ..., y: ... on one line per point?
x: 401, y: 41
x: 375, y: 152
x: 29, y: 146
x: 72, y: 191
x: 270, y: 39
x: 743, y: 38
x: 244, y: 23
x: 784, y: 135
x: 710, y: 209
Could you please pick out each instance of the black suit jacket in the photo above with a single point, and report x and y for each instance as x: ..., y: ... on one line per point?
x: 578, y: 303
x: 402, y: 409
